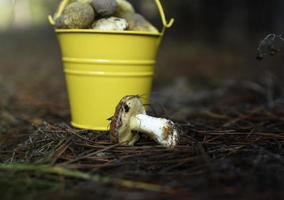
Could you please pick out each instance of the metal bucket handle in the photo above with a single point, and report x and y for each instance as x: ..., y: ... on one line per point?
x: 166, y: 24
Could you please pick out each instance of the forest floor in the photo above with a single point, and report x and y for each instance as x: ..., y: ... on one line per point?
x: 232, y: 142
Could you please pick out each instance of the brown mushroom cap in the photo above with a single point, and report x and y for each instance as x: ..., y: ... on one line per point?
x: 123, y: 7
x: 137, y: 22
x: 104, y: 7
x: 128, y: 107
x: 76, y: 16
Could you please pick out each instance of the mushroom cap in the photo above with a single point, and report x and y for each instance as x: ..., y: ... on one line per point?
x: 137, y: 22
x: 120, y: 130
x: 104, y: 7
x: 76, y: 15
x: 110, y: 24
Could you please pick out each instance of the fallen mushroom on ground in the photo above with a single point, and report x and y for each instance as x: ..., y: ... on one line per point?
x: 106, y: 15
x: 130, y: 118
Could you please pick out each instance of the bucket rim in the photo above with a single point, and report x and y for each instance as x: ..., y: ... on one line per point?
x: 108, y: 32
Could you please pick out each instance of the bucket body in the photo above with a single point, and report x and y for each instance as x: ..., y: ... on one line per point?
x: 102, y: 67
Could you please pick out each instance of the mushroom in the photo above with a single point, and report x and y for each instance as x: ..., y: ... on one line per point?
x: 130, y: 118
x: 138, y: 23
x: 123, y: 7
x: 104, y: 7
x: 76, y: 15
x: 110, y: 24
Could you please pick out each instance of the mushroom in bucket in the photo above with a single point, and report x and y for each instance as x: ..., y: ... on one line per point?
x: 130, y: 118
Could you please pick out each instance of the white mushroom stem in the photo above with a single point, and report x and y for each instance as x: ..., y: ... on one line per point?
x: 162, y: 130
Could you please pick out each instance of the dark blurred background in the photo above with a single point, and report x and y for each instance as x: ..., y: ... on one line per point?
x: 211, y: 41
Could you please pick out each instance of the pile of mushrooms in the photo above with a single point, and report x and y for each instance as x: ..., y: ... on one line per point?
x: 130, y: 119
x: 106, y: 15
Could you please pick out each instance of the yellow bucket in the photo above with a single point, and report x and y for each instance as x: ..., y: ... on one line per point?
x: 103, y: 66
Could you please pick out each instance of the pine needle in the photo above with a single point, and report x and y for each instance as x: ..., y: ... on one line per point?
x: 60, y: 171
